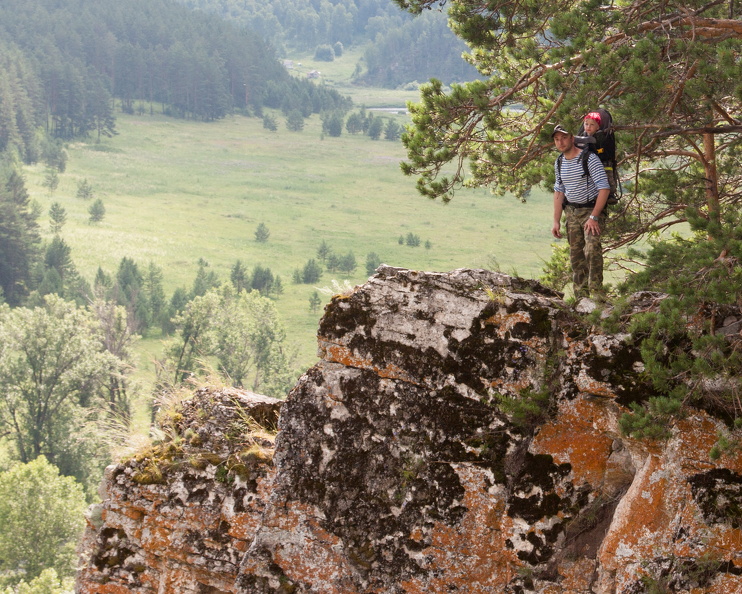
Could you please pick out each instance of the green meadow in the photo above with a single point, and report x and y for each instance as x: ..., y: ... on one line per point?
x: 176, y: 191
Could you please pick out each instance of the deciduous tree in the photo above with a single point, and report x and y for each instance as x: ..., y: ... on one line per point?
x: 52, y: 362
x: 242, y: 332
x: 41, y: 514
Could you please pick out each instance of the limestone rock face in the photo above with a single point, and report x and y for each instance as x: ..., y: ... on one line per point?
x: 459, y: 434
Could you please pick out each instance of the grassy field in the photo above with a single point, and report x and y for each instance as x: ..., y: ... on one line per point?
x: 176, y: 191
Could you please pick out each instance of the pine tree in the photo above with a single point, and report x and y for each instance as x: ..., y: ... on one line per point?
x: 701, y: 275
x: 97, y: 211
x: 669, y: 74
x: 129, y: 292
x: 204, y: 280
x: 323, y: 251
x: 84, y: 190
x: 238, y: 276
x: 311, y: 272
x: 354, y: 125
x: 262, y: 233
x: 57, y: 217
x: 295, y: 121
x: 392, y: 130
x: 262, y: 280
x: 269, y: 123
x: 51, y: 180
x: 154, y: 294
x: 375, y: 128
x: 314, y: 302
x: 19, y: 239
x: 348, y: 263
x: 373, y: 261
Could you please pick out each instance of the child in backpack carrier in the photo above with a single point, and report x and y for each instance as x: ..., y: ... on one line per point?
x: 598, y: 137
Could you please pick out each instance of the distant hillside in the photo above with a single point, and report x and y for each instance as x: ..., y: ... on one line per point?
x: 400, y: 48
x: 61, y: 63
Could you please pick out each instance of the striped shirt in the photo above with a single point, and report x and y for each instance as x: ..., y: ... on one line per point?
x: 578, y: 188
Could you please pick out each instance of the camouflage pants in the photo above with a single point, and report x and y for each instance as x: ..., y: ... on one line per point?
x: 585, y: 252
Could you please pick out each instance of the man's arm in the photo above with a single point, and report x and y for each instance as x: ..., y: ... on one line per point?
x: 597, y: 172
x: 592, y: 226
x: 556, y: 228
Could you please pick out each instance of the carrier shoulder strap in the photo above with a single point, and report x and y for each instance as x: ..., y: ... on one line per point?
x: 584, y: 156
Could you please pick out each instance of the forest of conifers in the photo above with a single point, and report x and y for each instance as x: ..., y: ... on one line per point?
x: 64, y: 62
x: 399, y: 49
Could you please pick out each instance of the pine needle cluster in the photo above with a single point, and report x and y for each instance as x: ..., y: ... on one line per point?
x: 692, y: 346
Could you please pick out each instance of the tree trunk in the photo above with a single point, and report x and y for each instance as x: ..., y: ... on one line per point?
x: 712, y: 186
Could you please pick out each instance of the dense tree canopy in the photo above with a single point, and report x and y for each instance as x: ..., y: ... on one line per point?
x: 62, y: 63
x: 399, y: 49
x: 668, y: 71
x: 416, y: 50
x: 306, y: 23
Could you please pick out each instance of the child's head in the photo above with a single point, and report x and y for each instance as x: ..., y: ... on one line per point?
x: 592, y: 123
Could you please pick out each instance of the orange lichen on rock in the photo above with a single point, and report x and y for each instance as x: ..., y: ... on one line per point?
x: 336, y: 353
x: 504, y: 322
x: 304, y: 550
x: 472, y: 556
x: 578, y: 436
x: 177, y: 535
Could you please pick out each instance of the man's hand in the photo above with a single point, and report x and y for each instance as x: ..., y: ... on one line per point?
x: 556, y: 230
x: 592, y: 227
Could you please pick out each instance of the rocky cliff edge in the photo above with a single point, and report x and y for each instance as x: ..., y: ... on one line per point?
x: 459, y: 434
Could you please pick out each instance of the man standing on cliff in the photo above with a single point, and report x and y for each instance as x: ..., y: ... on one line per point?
x: 581, y: 191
